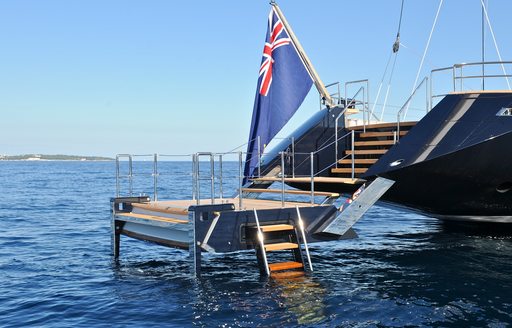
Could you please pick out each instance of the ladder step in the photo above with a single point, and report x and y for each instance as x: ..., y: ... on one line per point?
x: 380, y: 134
x: 374, y: 143
x: 349, y: 170
x: 366, y: 152
x: 281, y: 266
x: 280, y: 246
x: 276, y: 227
x: 358, y: 161
x: 287, y: 274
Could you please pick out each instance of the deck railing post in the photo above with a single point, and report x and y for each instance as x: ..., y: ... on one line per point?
x: 240, y: 180
x: 259, y: 157
x: 282, y: 178
x: 212, y: 178
x: 194, y: 186
x: 155, y: 177
x: 353, y: 155
x: 198, y: 182
x: 117, y: 176
x: 336, y: 143
x: 293, y: 157
x: 220, y: 178
x: 312, y: 162
x: 130, y: 173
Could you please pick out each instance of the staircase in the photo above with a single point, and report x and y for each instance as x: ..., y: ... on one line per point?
x: 281, y: 238
x: 369, y: 146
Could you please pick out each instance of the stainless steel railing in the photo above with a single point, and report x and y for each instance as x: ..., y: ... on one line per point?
x: 462, y: 72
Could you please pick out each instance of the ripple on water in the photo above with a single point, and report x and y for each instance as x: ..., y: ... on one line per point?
x: 404, y: 270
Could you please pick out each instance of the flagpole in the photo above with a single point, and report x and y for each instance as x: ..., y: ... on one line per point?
x: 307, y: 63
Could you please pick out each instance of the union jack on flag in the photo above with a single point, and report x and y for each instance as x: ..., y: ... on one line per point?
x: 283, y: 83
x: 277, y: 38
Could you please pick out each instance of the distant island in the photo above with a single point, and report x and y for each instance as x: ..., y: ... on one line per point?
x: 38, y: 157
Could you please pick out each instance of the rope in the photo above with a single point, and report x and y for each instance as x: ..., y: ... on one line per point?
x: 424, y: 53
x: 396, y: 45
x: 495, y: 43
x: 381, y: 82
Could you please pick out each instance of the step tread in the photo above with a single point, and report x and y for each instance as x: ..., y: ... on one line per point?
x: 375, y: 143
x: 358, y: 161
x: 366, y: 151
x: 380, y: 134
x: 381, y: 125
x: 280, y: 246
x: 281, y: 266
x: 276, y: 227
x: 287, y: 274
x: 289, y: 191
x: 349, y: 170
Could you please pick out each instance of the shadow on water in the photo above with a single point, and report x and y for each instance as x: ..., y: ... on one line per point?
x: 482, y: 229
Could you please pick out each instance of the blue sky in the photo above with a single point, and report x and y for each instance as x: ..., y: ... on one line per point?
x: 106, y: 77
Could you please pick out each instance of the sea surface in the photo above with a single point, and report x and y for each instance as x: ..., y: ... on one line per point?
x: 404, y: 270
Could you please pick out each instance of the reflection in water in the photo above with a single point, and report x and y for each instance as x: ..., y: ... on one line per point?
x: 302, y: 296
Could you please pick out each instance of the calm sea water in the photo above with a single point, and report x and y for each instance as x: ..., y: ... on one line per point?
x: 56, y: 268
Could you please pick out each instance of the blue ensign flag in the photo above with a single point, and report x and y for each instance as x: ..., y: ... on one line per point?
x: 283, y: 84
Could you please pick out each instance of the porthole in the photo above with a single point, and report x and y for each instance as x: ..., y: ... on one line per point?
x: 504, y: 187
x: 396, y: 163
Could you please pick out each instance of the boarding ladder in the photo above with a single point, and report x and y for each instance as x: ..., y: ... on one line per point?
x: 282, y: 237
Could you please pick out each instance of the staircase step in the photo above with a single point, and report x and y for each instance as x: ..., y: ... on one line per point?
x: 358, y: 161
x: 281, y: 266
x: 287, y: 274
x: 276, y: 227
x: 380, y: 134
x: 374, y: 143
x: 381, y: 126
x: 366, y: 152
x: 349, y: 170
x: 280, y: 246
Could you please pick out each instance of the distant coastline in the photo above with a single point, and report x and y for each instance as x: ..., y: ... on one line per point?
x: 40, y: 157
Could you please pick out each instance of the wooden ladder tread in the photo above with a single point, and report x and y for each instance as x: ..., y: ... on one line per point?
x: 287, y: 274
x: 358, y: 161
x: 289, y: 191
x: 374, y: 143
x: 276, y: 227
x: 349, y: 170
x: 366, y: 152
x: 380, y: 134
x: 281, y: 266
x: 280, y: 246
x: 153, y: 217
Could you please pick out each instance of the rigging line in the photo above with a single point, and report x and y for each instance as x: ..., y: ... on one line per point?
x: 395, y: 48
x: 389, y: 87
x: 400, y: 20
x: 396, y: 45
x: 495, y: 43
x: 382, y: 82
x: 425, y: 53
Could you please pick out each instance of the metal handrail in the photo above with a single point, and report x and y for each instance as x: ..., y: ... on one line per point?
x: 334, y: 96
x: 406, y: 105
x: 461, y: 77
x: 366, y: 99
x: 338, y: 118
